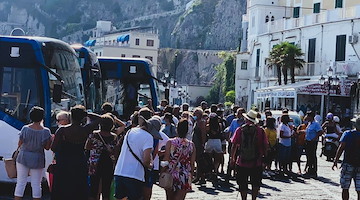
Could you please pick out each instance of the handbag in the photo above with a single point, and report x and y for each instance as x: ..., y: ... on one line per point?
x: 10, y: 164
x: 166, y: 179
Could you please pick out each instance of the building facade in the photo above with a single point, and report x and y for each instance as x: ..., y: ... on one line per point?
x: 327, y: 31
x: 141, y: 42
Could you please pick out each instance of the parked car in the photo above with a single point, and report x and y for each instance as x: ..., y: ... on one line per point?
x: 277, y: 114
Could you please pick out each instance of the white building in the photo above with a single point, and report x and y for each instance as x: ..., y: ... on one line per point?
x: 140, y: 42
x: 327, y: 31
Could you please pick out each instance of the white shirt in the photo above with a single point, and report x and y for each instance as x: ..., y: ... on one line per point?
x: 189, y: 134
x: 287, y: 132
x: 161, y: 144
x: 127, y: 165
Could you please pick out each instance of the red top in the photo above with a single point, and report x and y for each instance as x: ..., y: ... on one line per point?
x: 262, y: 145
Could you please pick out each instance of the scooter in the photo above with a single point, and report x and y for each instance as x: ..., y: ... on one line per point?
x: 330, y: 144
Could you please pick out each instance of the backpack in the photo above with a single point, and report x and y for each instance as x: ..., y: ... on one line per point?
x: 249, y: 147
x: 353, y: 151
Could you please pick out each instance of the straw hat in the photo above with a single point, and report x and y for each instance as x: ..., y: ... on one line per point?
x: 251, y: 116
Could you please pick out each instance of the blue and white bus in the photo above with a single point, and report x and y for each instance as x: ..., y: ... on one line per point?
x: 34, y: 71
x: 91, y: 75
x: 128, y: 82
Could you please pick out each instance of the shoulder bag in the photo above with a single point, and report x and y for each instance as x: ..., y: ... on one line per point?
x: 10, y: 164
x: 166, y: 178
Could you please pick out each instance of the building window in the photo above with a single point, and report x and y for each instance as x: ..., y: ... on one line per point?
x: 244, y: 65
x: 149, y: 57
x: 137, y: 41
x: 311, y: 52
x: 340, y: 48
x: 266, y: 19
x: 316, y: 8
x: 136, y: 56
x: 99, y: 53
x: 272, y: 18
x: 257, y: 69
x: 150, y: 43
x: 296, y: 12
x: 338, y: 3
x: 123, y: 55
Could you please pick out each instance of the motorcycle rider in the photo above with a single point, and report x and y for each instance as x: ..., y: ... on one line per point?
x: 331, y: 137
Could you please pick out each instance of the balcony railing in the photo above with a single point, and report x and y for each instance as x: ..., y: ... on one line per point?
x: 306, y: 20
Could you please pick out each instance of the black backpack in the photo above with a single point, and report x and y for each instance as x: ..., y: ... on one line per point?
x: 249, y: 144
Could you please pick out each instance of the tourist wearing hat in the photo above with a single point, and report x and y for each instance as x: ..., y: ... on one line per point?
x: 249, y: 161
x: 350, y: 144
x: 135, y: 158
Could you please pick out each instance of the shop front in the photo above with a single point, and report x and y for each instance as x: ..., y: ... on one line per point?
x: 306, y: 95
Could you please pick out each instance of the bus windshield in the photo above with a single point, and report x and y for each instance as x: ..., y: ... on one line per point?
x: 19, y: 91
x: 65, y: 63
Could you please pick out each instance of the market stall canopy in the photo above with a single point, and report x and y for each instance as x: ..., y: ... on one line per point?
x: 309, y: 87
x: 123, y: 38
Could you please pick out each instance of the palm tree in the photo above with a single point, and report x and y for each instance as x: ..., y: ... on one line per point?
x: 293, y: 59
x: 275, y: 59
x: 286, y: 56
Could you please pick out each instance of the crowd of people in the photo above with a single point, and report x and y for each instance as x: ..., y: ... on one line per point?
x: 99, y: 155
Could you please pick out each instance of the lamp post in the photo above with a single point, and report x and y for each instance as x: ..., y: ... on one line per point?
x: 328, y: 83
x: 183, y: 94
x: 168, y: 82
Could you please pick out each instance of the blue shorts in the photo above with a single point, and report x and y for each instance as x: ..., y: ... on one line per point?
x: 128, y: 187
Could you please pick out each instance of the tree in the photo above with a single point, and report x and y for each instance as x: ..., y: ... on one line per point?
x: 275, y: 59
x: 292, y: 59
x: 286, y: 56
x: 230, y: 96
x: 224, y: 78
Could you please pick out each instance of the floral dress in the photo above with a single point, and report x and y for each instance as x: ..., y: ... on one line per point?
x: 181, y: 170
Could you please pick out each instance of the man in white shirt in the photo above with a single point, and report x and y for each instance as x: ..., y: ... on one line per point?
x: 130, y: 171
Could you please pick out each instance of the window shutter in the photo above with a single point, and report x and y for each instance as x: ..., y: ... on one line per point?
x: 340, y: 48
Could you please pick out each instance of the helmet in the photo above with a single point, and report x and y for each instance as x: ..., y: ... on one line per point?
x: 336, y: 119
x: 329, y: 116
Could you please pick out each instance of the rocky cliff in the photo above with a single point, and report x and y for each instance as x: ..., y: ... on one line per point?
x: 201, y: 26
x: 194, y: 67
x: 185, y: 24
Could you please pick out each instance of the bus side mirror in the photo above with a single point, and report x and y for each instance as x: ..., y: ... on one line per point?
x: 57, y: 93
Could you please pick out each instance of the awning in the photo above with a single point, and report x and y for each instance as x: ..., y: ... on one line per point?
x: 90, y: 43
x: 309, y: 87
x: 123, y: 38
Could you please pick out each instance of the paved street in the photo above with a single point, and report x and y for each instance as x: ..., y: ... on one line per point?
x: 326, y: 187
